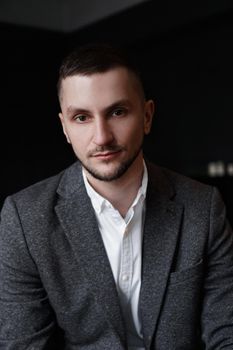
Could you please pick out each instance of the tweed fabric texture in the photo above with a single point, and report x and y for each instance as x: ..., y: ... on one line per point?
x: 57, y: 290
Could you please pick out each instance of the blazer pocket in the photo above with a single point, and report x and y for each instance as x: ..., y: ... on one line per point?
x: 191, y: 272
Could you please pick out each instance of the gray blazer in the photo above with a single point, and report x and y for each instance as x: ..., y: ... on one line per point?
x: 57, y: 290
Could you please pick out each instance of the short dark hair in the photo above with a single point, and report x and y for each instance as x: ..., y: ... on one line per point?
x: 96, y: 58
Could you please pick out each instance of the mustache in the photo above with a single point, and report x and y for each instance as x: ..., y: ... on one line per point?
x: 105, y: 149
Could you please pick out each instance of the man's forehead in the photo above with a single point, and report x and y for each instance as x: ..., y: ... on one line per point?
x: 113, y: 78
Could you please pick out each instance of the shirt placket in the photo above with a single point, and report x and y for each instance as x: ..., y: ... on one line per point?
x: 126, y: 269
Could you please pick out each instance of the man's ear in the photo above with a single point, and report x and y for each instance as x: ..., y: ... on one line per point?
x: 149, y: 112
x: 63, y: 126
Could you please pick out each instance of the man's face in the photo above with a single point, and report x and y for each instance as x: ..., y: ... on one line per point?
x: 105, y: 117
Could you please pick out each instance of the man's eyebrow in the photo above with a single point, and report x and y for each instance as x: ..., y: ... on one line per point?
x: 117, y: 104
x: 71, y: 110
x: 75, y: 110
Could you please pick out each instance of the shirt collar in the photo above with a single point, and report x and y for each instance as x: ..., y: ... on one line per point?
x: 98, y: 202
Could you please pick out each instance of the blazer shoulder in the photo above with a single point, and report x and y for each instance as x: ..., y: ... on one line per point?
x: 187, y: 183
x: 178, y: 185
x: 37, y: 192
x: 43, y: 194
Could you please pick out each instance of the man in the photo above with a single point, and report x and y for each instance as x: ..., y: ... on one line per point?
x: 114, y: 252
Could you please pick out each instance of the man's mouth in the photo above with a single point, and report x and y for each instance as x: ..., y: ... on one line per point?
x: 106, y: 154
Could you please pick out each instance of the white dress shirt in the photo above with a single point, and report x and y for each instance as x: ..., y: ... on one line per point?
x: 122, y: 239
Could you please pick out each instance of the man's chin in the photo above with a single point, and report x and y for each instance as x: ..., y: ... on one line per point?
x: 106, y: 175
x: 112, y: 170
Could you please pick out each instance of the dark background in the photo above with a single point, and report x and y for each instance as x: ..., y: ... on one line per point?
x: 186, y: 58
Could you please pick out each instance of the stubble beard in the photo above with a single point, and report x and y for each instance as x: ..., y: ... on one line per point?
x: 117, y: 173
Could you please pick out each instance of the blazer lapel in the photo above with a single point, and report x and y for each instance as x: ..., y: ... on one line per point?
x: 161, y: 230
x: 78, y: 220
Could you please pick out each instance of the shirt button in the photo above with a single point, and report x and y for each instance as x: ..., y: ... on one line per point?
x: 125, y: 278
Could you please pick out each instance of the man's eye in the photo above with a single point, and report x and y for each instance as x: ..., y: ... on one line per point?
x: 118, y: 112
x: 80, y: 118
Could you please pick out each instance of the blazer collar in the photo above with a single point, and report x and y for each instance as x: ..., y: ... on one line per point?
x: 161, y: 231
x: 79, y: 223
x: 72, y: 181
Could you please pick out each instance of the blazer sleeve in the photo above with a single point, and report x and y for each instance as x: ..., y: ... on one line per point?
x: 217, y: 311
x: 26, y: 317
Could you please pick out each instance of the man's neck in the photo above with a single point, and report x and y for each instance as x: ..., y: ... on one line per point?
x: 121, y: 192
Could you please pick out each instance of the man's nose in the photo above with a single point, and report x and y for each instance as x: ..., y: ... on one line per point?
x: 102, y: 133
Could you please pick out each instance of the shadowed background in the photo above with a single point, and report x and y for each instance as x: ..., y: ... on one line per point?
x: 185, y: 53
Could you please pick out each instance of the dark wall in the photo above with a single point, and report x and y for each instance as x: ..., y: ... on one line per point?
x: 31, y: 139
x: 187, y: 68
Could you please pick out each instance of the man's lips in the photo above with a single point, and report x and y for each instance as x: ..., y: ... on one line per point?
x: 101, y: 152
x: 105, y: 155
